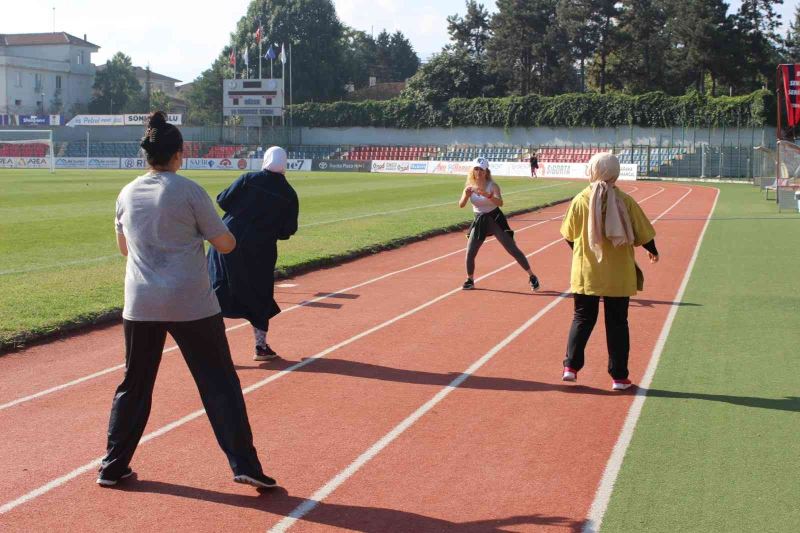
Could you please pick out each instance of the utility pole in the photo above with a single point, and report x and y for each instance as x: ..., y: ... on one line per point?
x: 147, y: 88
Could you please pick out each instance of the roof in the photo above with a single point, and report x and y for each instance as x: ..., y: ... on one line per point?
x: 33, y: 39
x: 139, y: 72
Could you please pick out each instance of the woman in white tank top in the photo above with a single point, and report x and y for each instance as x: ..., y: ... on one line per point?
x: 486, y: 199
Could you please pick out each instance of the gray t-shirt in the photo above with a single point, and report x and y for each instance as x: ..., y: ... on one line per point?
x: 165, y: 218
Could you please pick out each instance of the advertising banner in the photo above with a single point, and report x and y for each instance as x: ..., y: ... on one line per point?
x: 141, y: 119
x: 292, y: 165
x: 36, y: 120
x: 5, y: 120
x: 137, y: 163
x: 92, y: 162
x: 232, y: 163
x: 790, y: 75
x: 24, y: 162
x: 96, y: 120
x: 400, y: 167
x: 341, y: 165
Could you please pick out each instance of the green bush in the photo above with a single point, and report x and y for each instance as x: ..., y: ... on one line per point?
x: 654, y: 109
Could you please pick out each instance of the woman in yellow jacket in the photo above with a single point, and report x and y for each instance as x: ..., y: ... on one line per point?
x: 602, y: 226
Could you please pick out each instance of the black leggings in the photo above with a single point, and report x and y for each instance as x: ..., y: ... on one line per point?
x: 617, y: 336
x: 205, y: 348
x: 504, y: 238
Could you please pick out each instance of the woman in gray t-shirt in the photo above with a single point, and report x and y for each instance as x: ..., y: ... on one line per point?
x: 162, y: 220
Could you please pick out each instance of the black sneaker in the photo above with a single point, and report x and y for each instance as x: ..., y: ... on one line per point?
x: 109, y: 482
x: 534, y: 281
x: 469, y: 284
x: 264, y: 353
x: 259, y: 481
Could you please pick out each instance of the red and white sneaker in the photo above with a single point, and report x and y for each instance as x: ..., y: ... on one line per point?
x: 621, y: 384
x: 570, y: 374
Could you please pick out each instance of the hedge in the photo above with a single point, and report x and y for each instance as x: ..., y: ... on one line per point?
x: 654, y: 109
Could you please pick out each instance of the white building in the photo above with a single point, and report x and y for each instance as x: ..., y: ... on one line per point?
x: 38, y: 69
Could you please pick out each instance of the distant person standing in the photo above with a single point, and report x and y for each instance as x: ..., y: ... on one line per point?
x: 487, y: 199
x: 602, y: 226
x: 261, y: 208
x: 534, y: 164
x: 162, y: 220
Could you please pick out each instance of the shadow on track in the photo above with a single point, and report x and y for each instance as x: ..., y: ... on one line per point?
x: 353, y: 517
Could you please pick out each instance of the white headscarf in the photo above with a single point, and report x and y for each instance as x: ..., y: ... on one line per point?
x: 616, y: 224
x: 275, y: 160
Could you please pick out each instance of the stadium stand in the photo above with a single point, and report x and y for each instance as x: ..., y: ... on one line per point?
x: 226, y: 150
x: 101, y: 149
x: 400, y: 153
x: 23, y: 150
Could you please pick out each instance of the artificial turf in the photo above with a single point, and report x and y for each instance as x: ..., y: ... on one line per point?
x: 59, y: 265
x: 717, y: 447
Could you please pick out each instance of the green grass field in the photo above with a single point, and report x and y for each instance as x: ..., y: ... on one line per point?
x: 58, y: 259
x: 716, y: 447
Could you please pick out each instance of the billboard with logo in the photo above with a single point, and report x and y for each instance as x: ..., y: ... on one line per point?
x: 141, y: 119
x: 400, y: 167
x: 91, y: 162
x: 24, y: 162
x: 38, y: 120
x: 131, y: 163
x: 341, y: 165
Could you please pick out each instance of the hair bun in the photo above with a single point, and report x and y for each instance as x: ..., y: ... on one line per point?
x: 157, y: 119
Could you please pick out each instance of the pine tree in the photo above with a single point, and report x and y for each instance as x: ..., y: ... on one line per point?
x: 470, y: 32
x: 792, y: 42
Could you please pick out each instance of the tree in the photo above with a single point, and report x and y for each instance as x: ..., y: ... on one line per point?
x: 528, y: 50
x: 450, y: 74
x: 758, y: 42
x: 205, y: 96
x: 792, y: 42
x: 115, y: 86
x: 573, y: 17
x: 403, y: 60
x: 360, y: 51
x: 470, y: 32
x: 159, y: 101
x: 316, y: 37
x: 639, y: 64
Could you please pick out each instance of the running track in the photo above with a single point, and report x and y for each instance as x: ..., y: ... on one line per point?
x: 402, y: 403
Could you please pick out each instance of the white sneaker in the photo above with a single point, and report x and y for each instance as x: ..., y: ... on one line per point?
x: 569, y: 374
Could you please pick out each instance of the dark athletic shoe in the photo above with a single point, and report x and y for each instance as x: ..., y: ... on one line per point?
x: 259, y: 481
x: 534, y: 281
x: 468, y: 285
x: 109, y: 482
x: 264, y: 353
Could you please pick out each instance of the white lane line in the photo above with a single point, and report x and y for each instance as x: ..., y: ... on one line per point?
x: 32, y: 495
x: 603, y: 495
x: 326, y: 490
x: 308, y: 505
x: 383, y: 213
x: 245, y: 323
x: 286, y: 285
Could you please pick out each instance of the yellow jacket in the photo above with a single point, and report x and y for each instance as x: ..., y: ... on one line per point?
x: 616, y: 275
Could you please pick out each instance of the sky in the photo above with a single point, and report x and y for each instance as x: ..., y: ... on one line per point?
x: 180, y: 38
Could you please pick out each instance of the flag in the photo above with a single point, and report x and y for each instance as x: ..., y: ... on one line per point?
x: 244, y: 56
x: 258, y: 35
x: 283, y: 53
x: 270, y: 53
x: 232, y: 57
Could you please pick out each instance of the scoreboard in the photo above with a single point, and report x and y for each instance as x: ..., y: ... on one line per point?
x: 259, y: 97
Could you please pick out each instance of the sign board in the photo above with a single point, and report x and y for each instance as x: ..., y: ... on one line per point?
x: 341, y: 165
x: 141, y: 119
x: 498, y: 168
x: 254, y: 97
x: 91, y: 162
x: 24, y: 162
x: 291, y: 164
x: 117, y: 120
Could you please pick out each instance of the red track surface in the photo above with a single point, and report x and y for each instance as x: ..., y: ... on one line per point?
x: 511, y: 449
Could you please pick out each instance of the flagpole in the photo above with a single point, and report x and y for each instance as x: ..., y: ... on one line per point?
x: 291, y: 100
x: 259, y: 57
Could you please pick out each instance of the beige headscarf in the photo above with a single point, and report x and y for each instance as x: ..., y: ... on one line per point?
x: 616, y: 224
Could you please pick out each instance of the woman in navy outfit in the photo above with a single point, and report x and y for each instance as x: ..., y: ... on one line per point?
x: 260, y: 209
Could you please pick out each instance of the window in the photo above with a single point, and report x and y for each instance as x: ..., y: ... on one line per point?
x: 58, y: 82
x: 17, y: 102
x: 80, y: 57
x: 18, y: 80
x: 37, y: 84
